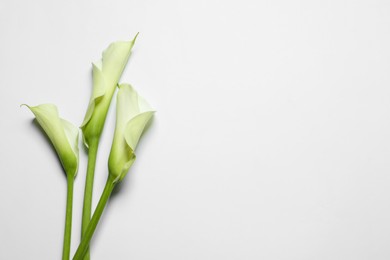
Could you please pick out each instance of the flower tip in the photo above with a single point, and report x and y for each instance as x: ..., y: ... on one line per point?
x: 25, y: 105
x: 135, y: 37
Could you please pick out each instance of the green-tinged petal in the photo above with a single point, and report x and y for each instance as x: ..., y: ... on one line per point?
x: 113, y: 59
x: 135, y: 128
x: 133, y: 114
x: 62, y: 134
x: 99, y: 89
x: 72, y: 134
x: 106, y: 74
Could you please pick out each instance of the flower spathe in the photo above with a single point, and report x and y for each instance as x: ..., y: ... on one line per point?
x: 132, y: 115
x: 63, y: 135
x: 106, y: 74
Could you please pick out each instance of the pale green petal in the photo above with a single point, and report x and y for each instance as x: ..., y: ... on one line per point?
x: 106, y: 74
x: 72, y: 134
x: 62, y: 134
x: 99, y: 89
x: 135, y: 128
x: 127, y: 105
x: 133, y: 114
x: 113, y: 59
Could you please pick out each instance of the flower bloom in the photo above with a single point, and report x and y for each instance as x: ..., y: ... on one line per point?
x: 132, y: 115
x: 63, y: 135
x: 106, y: 74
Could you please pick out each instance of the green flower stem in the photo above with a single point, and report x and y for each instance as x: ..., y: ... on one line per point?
x: 87, y: 207
x: 84, y: 245
x: 68, y: 218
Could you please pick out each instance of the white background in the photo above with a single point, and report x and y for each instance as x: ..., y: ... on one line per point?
x: 271, y: 140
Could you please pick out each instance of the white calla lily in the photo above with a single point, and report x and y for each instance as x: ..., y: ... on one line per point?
x: 65, y: 139
x: 63, y: 135
x: 132, y: 115
x: 106, y: 74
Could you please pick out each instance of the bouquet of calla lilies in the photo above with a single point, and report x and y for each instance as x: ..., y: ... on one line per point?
x: 132, y: 115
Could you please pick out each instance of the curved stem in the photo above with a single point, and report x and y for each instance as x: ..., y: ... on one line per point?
x: 68, y: 218
x: 84, y: 245
x: 87, y: 206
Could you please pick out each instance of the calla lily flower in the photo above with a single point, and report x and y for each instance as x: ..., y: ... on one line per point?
x: 65, y: 139
x: 106, y: 74
x: 63, y: 135
x: 132, y: 115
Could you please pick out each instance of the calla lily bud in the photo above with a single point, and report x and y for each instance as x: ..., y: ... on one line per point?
x: 63, y: 135
x: 132, y: 115
x: 106, y: 74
